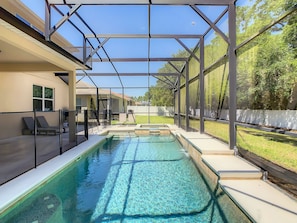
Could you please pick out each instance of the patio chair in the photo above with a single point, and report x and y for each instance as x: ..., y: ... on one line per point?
x: 29, y: 126
x: 43, y: 124
x: 29, y: 130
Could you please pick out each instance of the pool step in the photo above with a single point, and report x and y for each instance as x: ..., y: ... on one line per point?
x: 152, y: 131
x: 155, y: 132
x: 205, y: 144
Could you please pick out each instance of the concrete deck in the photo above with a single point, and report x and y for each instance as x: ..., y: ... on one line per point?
x: 261, y: 200
x: 231, y: 167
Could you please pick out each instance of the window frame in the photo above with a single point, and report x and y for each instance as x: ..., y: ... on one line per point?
x: 43, y: 98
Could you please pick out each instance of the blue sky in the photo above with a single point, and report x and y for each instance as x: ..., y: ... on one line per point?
x: 132, y: 20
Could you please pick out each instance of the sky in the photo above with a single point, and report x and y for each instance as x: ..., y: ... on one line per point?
x: 131, y: 19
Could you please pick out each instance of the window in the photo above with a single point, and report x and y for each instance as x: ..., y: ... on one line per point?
x: 43, y: 98
x: 78, y: 105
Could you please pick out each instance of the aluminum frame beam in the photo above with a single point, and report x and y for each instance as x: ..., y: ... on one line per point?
x: 175, y: 68
x: 141, y: 2
x: 51, y: 30
x: 167, y: 81
x: 187, y: 49
x: 96, y: 50
x: 141, y: 36
x: 127, y: 74
x: 210, y: 23
x: 138, y: 59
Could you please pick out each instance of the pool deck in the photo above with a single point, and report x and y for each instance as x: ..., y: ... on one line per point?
x: 242, y: 181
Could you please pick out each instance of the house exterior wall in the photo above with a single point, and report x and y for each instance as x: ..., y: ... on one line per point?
x: 16, y: 90
x: 116, y: 103
x: 83, y: 101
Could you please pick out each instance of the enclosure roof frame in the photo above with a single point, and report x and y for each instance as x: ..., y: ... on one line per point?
x: 230, y: 39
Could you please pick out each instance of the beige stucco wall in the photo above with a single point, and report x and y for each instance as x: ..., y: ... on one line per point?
x: 16, y: 90
x: 84, y: 100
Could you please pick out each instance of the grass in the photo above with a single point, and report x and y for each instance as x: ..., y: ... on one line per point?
x: 143, y: 119
x: 277, y: 148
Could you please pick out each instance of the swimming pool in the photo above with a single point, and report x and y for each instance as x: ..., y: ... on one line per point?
x: 128, y: 179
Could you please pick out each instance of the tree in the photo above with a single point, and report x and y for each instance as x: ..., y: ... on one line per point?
x: 267, y: 65
x: 162, y: 93
x: 290, y: 30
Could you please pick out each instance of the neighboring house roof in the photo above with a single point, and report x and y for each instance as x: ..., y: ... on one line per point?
x: 83, y: 88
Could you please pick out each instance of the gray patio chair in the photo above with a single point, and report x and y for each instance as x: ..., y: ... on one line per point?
x: 29, y: 126
x: 29, y: 130
x: 43, y: 124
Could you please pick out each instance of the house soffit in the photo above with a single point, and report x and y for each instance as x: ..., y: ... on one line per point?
x: 22, y: 49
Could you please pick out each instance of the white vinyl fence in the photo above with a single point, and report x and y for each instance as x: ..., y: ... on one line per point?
x: 152, y: 110
x: 273, y: 118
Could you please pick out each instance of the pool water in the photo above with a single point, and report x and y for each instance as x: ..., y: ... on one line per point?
x: 131, y: 179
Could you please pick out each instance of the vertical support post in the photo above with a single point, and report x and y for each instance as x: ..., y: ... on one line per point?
x: 149, y: 103
x: 201, y: 85
x: 123, y: 99
x: 47, y: 22
x: 86, y: 126
x: 60, y: 133
x: 178, y: 101
x: 85, y: 50
x: 148, y: 63
x: 187, y: 96
x: 232, y: 75
x: 72, y: 105
x: 98, y: 104
x: 174, y: 111
x: 109, y: 108
x: 35, y: 140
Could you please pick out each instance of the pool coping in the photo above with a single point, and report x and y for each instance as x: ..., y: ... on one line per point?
x: 244, y: 191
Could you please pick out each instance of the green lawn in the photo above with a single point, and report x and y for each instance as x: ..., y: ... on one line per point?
x: 143, y: 119
x: 278, y: 148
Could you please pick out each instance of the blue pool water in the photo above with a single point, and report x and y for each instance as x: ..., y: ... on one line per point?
x: 133, y: 179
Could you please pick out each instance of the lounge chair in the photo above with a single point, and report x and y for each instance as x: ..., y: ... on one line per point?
x: 29, y: 126
x: 43, y: 124
x: 29, y: 123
